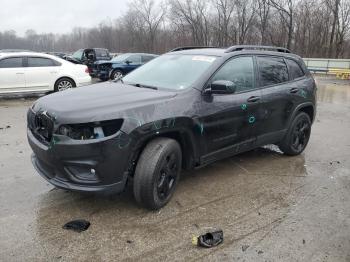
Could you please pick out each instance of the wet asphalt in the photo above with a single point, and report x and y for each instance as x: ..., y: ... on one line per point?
x: 271, y: 207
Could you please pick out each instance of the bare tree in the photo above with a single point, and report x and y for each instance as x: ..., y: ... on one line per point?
x: 263, y: 12
x: 148, y: 19
x: 221, y: 26
x: 286, y: 11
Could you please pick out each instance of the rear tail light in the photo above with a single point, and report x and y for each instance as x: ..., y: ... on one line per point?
x: 87, y: 70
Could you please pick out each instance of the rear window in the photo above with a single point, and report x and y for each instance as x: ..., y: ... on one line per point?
x: 101, y: 53
x: 295, y: 70
x: 40, y: 62
x: 272, y: 70
x: 12, y: 62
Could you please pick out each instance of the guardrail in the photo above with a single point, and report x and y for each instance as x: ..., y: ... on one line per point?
x: 328, y: 66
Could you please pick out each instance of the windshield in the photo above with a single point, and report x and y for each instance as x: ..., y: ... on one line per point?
x: 120, y: 58
x: 170, y: 71
x: 78, y: 54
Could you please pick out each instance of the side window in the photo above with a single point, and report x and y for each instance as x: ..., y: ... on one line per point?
x: 295, y: 70
x: 40, y: 62
x: 101, y: 53
x: 146, y: 58
x: 240, y: 71
x: 134, y: 59
x: 272, y: 70
x: 13, y: 62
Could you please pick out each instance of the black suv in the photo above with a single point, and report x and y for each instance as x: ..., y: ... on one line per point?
x: 182, y: 110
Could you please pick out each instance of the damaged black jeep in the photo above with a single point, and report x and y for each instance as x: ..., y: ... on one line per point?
x: 182, y: 110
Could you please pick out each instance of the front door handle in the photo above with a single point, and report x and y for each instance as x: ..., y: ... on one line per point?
x: 253, y: 99
x: 19, y: 73
x: 294, y: 90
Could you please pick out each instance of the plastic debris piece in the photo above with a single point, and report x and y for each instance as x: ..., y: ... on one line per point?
x: 78, y: 225
x: 210, y: 239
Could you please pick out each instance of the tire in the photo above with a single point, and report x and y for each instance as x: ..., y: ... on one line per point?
x: 297, y: 136
x: 63, y: 84
x: 116, y: 74
x: 157, y: 173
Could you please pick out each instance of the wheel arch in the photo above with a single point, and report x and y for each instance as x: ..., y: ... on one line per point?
x: 307, y: 108
x: 183, y: 137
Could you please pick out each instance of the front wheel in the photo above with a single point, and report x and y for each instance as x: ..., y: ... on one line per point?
x: 157, y: 173
x: 297, y: 136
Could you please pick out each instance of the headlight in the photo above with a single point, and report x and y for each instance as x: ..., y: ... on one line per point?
x: 91, y: 130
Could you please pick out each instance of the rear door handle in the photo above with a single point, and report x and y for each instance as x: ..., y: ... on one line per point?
x: 253, y: 99
x: 19, y: 73
x: 294, y: 90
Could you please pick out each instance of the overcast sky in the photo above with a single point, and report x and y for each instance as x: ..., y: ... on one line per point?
x: 57, y: 16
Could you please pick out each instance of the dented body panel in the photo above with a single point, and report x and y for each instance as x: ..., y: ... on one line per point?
x: 208, y: 127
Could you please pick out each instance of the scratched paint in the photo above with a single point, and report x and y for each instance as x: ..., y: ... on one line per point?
x: 303, y: 93
x: 123, y: 140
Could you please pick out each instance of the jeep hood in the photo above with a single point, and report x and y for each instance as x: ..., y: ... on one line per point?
x: 100, y: 102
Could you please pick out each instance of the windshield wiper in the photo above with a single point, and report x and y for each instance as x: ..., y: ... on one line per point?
x: 145, y: 86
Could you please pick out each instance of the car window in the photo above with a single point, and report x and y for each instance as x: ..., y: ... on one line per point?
x: 272, y: 70
x: 101, y: 53
x: 146, y: 58
x: 40, y: 62
x: 12, y: 62
x: 240, y: 71
x: 294, y: 69
x: 78, y: 54
x: 134, y: 59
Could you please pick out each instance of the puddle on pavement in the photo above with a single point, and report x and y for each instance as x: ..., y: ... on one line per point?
x: 242, y: 195
x: 334, y: 93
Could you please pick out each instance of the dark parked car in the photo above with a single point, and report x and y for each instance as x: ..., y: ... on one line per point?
x: 89, y: 56
x: 58, y: 54
x: 120, y: 65
x: 182, y: 110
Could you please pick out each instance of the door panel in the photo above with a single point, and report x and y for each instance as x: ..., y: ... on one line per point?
x: 231, y: 120
x: 12, y: 76
x: 134, y: 62
x: 40, y: 73
x: 276, y: 100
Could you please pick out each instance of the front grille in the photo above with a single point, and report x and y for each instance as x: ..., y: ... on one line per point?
x: 41, y: 125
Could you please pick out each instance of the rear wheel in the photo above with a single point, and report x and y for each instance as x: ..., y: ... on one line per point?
x: 64, y: 84
x: 297, y: 136
x: 157, y: 173
x: 116, y: 74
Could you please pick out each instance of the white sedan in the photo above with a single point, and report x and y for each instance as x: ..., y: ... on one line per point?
x: 37, y: 72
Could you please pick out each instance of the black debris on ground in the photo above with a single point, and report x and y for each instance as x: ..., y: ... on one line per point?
x: 78, y: 225
x: 210, y: 239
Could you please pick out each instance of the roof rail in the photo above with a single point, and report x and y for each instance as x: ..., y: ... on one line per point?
x: 257, y: 47
x: 190, y: 47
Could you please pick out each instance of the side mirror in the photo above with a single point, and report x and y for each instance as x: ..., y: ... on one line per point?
x: 90, y: 57
x: 221, y: 87
x: 128, y: 62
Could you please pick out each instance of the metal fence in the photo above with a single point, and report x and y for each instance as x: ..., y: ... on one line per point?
x: 324, y: 65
